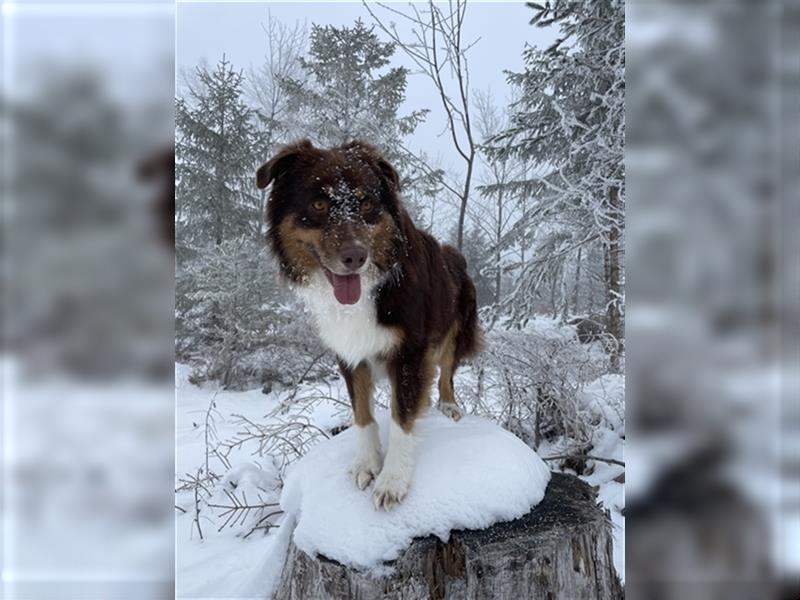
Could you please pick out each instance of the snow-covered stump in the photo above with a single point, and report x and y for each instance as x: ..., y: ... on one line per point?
x: 480, y: 521
x: 562, y: 549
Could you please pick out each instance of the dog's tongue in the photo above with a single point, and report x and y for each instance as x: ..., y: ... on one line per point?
x: 346, y: 288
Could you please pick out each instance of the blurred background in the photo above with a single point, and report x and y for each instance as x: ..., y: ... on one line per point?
x: 713, y: 494
x: 712, y: 354
x: 87, y: 284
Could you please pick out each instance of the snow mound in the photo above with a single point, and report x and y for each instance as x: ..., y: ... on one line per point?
x: 469, y: 474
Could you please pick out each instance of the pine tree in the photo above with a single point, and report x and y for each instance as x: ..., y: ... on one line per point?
x: 215, y: 159
x: 479, y: 267
x: 227, y: 298
x: 569, y: 123
x: 347, y: 93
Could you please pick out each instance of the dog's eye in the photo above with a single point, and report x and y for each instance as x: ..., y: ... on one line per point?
x: 319, y: 205
x: 367, y: 206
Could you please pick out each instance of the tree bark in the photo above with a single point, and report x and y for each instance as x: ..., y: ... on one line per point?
x: 577, y: 288
x: 553, y: 294
x: 462, y: 210
x: 613, y: 282
x: 561, y: 550
x: 498, y: 279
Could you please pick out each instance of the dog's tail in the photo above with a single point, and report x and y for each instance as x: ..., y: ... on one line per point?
x: 469, y: 339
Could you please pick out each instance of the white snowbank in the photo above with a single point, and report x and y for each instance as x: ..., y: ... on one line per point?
x: 469, y: 474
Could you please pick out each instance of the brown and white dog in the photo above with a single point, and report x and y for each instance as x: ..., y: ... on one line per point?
x: 387, y: 298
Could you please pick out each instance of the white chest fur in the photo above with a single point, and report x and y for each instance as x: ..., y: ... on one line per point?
x: 352, y: 331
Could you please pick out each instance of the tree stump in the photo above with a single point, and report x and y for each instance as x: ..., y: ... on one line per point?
x: 561, y: 550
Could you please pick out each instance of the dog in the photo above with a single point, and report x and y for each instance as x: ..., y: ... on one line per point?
x: 387, y: 298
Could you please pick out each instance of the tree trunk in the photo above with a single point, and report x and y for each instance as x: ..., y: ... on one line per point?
x: 561, y: 550
x: 462, y: 210
x: 553, y: 294
x: 613, y: 273
x: 219, y: 223
x: 576, y: 289
x: 497, y: 254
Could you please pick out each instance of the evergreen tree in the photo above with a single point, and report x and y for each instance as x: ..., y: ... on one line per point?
x: 346, y: 93
x: 479, y: 262
x: 569, y: 123
x: 215, y: 159
x: 228, y: 305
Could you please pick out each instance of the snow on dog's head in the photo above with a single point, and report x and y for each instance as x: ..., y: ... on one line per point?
x: 469, y: 475
x: 334, y: 212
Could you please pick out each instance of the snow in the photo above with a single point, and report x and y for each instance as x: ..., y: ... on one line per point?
x: 610, y: 493
x: 454, y: 474
x: 469, y: 474
x: 82, y: 503
x: 605, y: 399
x: 223, y: 566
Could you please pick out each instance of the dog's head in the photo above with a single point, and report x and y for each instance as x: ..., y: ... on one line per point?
x: 334, y: 212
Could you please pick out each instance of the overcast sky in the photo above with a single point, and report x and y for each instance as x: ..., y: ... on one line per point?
x: 206, y: 30
x: 131, y: 43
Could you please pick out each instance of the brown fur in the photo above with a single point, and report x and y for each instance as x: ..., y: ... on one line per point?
x: 359, y: 387
x: 159, y: 167
x: 427, y: 298
x: 447, y: 367
x: 411, y: 375
x: 295, y: 242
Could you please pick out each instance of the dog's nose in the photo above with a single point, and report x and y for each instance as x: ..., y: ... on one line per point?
x: 353, y: 256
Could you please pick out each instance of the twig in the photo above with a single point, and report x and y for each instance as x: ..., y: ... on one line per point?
x: 300, y: 379
x: 197, y: 506
x: 611, y: 461
x: 261, y: 525
x: 208, y: 424
x: 239, y: 509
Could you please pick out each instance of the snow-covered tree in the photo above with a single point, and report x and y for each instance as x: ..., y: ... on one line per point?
x: 215, y: 159
x: 230, y: 313
x: 346, y: 92
x: 500, y: 210
x: 569, y: 123
x: 475, y: 244
x: 284, y: 48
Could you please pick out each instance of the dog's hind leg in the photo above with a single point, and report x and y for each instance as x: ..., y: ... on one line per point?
x: 367, y: 462
x: 447, y: 367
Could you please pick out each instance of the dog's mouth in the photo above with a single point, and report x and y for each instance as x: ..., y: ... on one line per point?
x: 346, y: 288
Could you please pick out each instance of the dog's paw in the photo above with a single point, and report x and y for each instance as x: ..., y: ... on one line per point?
x: 364, y: 470
x: 450, y: 409
x: 390, y: 489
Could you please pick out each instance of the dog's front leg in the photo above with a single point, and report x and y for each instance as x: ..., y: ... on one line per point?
x: 411, y: 374
x: 367, y: 462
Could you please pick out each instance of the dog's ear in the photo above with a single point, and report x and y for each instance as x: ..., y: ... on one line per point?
x: 385, y: 170
x: 390, y: 176
x: 283, y: 160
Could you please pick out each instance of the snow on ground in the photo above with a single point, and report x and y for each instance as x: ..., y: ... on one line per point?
x: 225, y: 563
x: 611, y: 493
x: 605, y: 399
x: 83, y: 505
x: 468, y: 475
